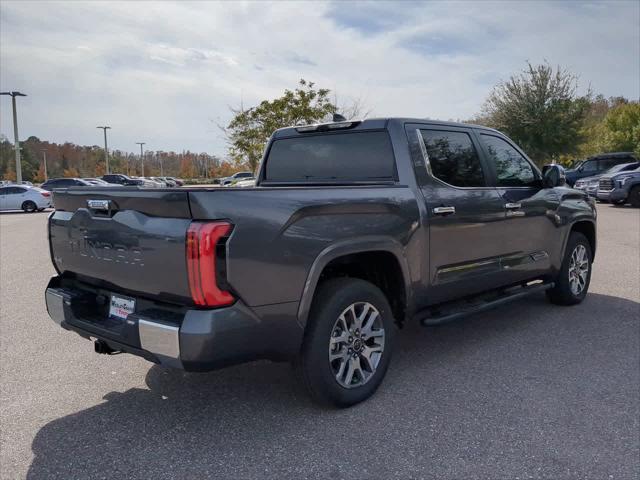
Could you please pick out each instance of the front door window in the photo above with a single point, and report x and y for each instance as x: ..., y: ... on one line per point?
x: 512, y: 169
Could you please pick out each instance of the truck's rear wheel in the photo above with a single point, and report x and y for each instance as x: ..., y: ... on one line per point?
x: 348, y: 342
x: 572, y: 283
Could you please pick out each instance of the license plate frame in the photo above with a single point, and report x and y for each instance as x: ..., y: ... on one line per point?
x: 120, y: 307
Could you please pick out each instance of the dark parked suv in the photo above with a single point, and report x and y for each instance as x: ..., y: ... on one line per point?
x: 353, y: 230
x: 125, y: 180
x: 64, y: 182
x: 598, y: 164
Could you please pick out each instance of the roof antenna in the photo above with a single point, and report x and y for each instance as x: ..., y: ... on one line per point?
x: 338, y: 118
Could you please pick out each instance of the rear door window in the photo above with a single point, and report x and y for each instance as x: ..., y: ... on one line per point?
x: 607, y: 163
x: 453, y: 158
x: 342, y: 157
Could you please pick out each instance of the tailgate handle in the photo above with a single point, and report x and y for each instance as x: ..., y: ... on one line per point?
x: 101, y: 205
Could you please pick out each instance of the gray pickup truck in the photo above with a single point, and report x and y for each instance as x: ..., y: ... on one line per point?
x: 353, y: 229
x: 620, y: 187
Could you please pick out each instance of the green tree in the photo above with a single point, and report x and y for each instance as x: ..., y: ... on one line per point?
x: 540, y: 110
x: 620, y: 130
x: 593, y: 129
x: 249, y: 130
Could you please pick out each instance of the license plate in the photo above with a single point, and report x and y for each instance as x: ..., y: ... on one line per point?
x: 121, y: 307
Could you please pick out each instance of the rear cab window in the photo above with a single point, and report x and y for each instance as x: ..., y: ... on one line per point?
x: 345, y: 157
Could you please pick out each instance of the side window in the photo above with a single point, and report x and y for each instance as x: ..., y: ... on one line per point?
x: 590, y: 166
x: 607, y: 163
x: 512, y: 169
x: 4, y: 191
x: 15, y: 190
x: 453, y: 158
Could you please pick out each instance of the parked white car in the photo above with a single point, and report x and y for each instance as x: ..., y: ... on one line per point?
x: 24, y: 197
x: 227, y: 181
x: 251, y: 182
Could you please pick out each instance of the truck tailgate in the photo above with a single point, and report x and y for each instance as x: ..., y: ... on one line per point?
x: 123, y: 239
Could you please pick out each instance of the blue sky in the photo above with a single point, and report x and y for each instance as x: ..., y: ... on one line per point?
x: 166, y: 73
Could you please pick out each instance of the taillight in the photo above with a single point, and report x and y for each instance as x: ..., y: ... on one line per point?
x: 45, y: 194
x: 203, y: 238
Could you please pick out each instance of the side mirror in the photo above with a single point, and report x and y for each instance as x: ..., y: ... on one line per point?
x: 553, y: 176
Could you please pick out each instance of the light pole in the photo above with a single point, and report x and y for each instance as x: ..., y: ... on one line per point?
x: 44, y: 158
x: 141, y: 158
x: 106, y: 149
x: 16, y: 145
x: 159, y: 155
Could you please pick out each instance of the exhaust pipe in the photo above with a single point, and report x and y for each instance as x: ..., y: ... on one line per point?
x: 102, y: 347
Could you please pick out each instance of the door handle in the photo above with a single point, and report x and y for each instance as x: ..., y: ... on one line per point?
x: 444, y: 210
x: 512, y: 206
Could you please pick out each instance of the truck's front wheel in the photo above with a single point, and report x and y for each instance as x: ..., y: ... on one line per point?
x: 572, y: 282
x: 348, y: 342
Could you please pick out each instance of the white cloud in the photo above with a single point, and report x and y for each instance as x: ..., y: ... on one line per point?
x: 160, y: 72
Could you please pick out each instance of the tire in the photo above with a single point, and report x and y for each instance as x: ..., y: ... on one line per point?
x: 634, y: 196
x: 325, y: 362
x: 570, y: 288
x: 29, y: 206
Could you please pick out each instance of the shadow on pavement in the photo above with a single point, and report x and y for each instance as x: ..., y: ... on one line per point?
x: 507, y: 393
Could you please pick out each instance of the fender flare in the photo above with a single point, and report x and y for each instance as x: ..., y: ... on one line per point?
x: 347, y: 247
x: 571, y: 225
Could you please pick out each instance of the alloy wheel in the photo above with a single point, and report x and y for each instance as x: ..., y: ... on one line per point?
x: 356, y: 344
x: 578, y: 269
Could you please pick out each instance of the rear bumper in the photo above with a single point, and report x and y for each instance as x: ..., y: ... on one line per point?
x: 193, y: 340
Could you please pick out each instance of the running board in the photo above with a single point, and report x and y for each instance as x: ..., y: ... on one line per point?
x: 455, y: 310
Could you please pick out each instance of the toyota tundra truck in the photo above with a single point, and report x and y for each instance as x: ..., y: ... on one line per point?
x: 353, y: 229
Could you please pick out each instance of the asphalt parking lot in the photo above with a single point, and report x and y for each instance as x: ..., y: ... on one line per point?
x: 529, y: 390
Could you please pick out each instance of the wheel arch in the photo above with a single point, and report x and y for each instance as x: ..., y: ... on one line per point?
x: 588, y: 229
x: 341, y: 259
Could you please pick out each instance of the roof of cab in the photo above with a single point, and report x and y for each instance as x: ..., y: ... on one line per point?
x: 379, y: 123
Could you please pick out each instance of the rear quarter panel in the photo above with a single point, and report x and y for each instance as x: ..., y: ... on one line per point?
x: 279, y: 232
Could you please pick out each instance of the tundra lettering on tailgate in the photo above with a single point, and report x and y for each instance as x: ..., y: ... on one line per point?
x: 107, y: 252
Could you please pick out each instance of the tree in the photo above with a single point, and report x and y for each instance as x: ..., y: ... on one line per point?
x: 39, y: 177
x: 593, y: 131
x: 249, y: 130
x: 621, y: 129
x: 540, y: 110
